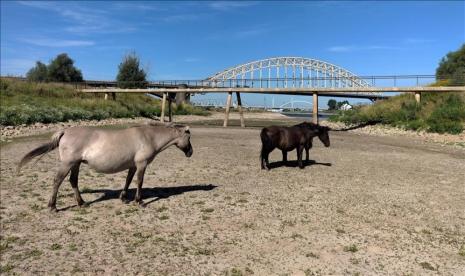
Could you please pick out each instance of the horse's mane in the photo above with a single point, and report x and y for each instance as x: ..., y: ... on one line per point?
x: 312, y: 126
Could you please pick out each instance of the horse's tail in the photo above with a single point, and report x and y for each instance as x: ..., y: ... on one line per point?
x: 266, y: 142
x: 41, y: 150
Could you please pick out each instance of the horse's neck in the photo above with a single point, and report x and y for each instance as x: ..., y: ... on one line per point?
x: 163, y: 140
x: 312, y: 133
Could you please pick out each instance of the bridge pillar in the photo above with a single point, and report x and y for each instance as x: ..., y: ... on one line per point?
x: 163, y: 104
x: 315, y: 108
x: 417, y: 97
x: 239, y: 107
x: 170, y: 111
x: 228, y: 105
x: 106, y: 96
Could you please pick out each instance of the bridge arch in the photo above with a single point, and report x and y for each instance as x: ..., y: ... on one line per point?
x: 293, y: 71
x: 291, y: 104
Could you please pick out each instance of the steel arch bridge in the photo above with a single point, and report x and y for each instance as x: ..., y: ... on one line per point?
x: 287, y: 72
x: 291, y: 103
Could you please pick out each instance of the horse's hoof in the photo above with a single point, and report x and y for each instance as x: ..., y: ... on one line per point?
x: 83, y: 204
x: 53, y: 210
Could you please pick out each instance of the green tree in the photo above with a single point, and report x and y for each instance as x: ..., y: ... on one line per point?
x: 452, y: 67
x: 332, y: 104
x: 61, y: 69
x: 37, y: 73
x: 130, y: 75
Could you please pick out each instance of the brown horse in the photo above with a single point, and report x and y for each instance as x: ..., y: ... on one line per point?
x: 289, y: 138
x: 110, y: 151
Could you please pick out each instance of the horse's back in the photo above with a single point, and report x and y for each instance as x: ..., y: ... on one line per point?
x: 283, y: 138
x: 106, y: 150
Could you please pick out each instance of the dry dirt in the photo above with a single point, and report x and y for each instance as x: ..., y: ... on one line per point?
x: 368, y: 205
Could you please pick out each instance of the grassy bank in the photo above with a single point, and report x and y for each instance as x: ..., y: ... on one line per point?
x: 437, y: 112
x: 27, y: 103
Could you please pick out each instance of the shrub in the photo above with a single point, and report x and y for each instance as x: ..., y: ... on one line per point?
x: 438, y: 112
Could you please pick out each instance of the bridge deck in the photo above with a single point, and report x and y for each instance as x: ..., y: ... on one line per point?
x: 354, y: 92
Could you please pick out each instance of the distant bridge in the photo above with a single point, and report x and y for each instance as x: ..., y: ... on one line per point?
x: 292, y: 102
x: 289, y: 76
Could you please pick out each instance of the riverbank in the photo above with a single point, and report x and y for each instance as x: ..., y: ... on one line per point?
x: 367, y: 205
x: 259, y: 119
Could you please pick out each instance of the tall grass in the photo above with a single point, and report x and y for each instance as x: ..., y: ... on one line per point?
x: 437, y: 112
x: 27, y: 103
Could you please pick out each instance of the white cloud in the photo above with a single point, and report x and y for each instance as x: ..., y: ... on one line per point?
x: 180, y: 18
x: 16, y: 66
x: 47, y: 42
x: 412, y: 40
x: 82, y: 20
x: 230, y: 5
x: 191, y: 59
x: 353, y: 48
x: 144, y: 6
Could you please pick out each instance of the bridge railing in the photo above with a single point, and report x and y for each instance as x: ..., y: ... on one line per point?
x: 306, y: 82
x: 289, y: 82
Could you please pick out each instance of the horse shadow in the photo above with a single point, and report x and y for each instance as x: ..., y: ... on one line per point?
x: 150, y: 194
x: 295, y: 163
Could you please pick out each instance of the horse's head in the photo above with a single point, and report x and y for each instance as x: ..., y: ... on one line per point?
x: 183, y: 141
x: 323, y: 134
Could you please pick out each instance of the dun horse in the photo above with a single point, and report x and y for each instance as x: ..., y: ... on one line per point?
x: 110, y: 151
x: 289, y: 138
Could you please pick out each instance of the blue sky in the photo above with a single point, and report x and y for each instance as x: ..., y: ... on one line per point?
x: 193, y: 40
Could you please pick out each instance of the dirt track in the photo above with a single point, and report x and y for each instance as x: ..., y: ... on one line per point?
x: 368, y: 205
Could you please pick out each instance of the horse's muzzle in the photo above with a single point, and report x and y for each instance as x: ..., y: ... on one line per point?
x: 189, y: 152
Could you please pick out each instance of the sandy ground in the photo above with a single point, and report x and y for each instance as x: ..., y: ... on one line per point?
x: 368, y: 205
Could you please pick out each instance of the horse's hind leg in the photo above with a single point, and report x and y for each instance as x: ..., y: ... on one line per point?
x: 140, y: 179
x: 129, y: 178
x: 306, y: 153
x: 60, y: 176
x: 73, y: 179
x: 264, y: 159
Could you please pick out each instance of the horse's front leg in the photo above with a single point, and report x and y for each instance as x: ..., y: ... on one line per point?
x: 300, y: 150
x: 140, y: 171
x: 306, y: 153
x: 284, y: 156
x: 129, y: 177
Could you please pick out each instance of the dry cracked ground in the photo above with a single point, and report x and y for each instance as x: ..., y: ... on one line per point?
x: 365, y: 206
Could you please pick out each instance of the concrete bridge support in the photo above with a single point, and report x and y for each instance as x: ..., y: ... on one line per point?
x: 163, y: 107
x: 163, y: 104
x: 170, y: 111
x: 239, y: 107
x: 315, y: 108
x: 227, y: 107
